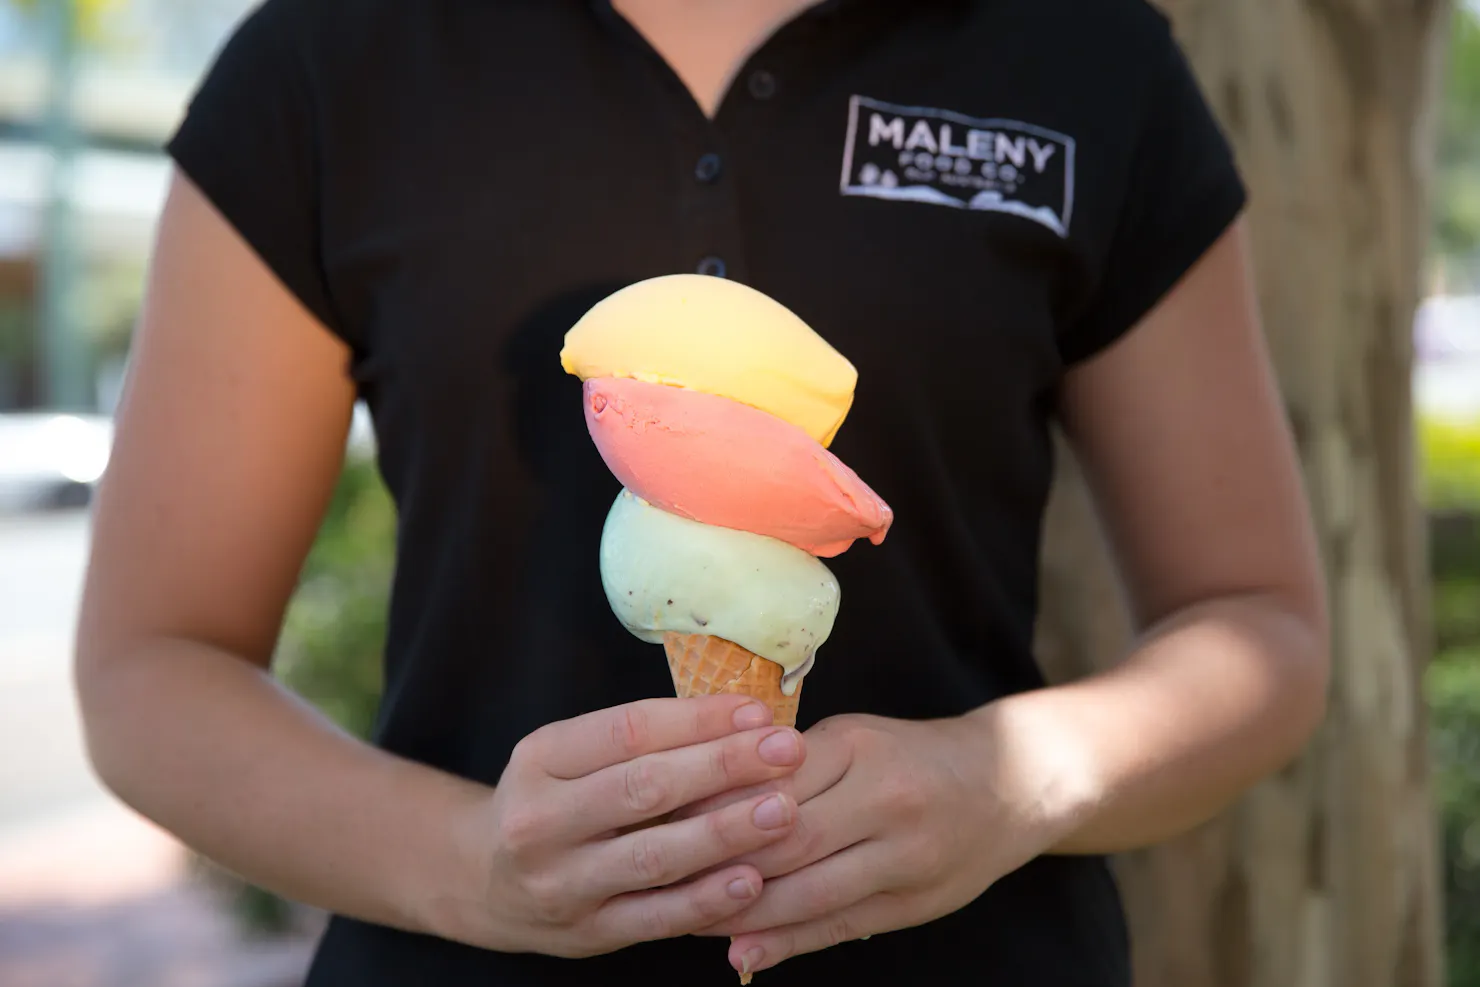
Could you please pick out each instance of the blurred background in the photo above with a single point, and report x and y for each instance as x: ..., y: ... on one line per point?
x: 92, y: 896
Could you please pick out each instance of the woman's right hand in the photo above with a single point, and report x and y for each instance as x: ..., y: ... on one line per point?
x: 572, y: 869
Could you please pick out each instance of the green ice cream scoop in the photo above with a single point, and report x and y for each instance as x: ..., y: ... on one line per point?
x: 662, y: 572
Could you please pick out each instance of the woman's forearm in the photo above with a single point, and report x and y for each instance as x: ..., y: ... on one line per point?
x: 1210, y: 701
x: 212, y: 749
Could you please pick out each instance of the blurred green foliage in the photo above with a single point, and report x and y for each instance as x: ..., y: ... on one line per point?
x: 1451, y: 465
x: 1457, y: 193
x: 1454, y: 695
x: 1451, y: 460
x: 332, y: 639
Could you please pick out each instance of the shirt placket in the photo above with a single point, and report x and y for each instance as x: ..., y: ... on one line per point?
x: 710, y: 237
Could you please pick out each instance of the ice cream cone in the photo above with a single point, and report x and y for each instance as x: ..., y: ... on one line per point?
x: 711, y: 666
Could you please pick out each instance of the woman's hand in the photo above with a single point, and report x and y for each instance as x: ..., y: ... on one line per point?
x: 900, y: 822
x: 582, y: 860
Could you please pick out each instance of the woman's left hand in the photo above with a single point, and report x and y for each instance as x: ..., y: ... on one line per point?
x: 900, y: 822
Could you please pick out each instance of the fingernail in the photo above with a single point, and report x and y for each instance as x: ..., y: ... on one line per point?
x: 752, y: 715
x: 754, y: 957
x: 779, y: 748
x: 771, y: 814
x: 740, y: 889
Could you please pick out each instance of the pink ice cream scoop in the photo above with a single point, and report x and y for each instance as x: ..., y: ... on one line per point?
x: 714, y: 460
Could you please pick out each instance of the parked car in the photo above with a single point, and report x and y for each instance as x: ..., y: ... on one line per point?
x: 50, y: 460
x: 1446, y: 369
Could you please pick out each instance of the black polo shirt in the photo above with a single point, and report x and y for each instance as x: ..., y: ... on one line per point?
x: 965, y: 198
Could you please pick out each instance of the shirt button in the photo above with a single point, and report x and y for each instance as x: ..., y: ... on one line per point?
x: 762, y: 84
x: 712, y: 266
x: 708, y: 168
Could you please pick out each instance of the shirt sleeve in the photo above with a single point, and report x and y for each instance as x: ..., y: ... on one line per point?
x: 1183, y: 192
x: 248, y: 141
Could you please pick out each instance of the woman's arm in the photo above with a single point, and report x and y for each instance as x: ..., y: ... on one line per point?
x: 229, y: 440
x: 1181, y: 432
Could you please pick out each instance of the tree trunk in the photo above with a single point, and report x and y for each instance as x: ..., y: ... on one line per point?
x: 1326, y: 875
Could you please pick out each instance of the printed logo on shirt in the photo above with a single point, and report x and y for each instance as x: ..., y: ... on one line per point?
x: 918, y: 154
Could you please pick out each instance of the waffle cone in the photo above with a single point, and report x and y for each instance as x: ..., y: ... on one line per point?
x: 711, y: 666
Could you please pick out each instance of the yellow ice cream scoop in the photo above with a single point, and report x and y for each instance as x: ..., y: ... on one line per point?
x: 718, y: 336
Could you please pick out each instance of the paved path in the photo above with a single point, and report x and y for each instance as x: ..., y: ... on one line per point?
x: 91, y: 895
x: 43, y: 768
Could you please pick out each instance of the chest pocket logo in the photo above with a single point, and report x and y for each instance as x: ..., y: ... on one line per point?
x: 919, y: 154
